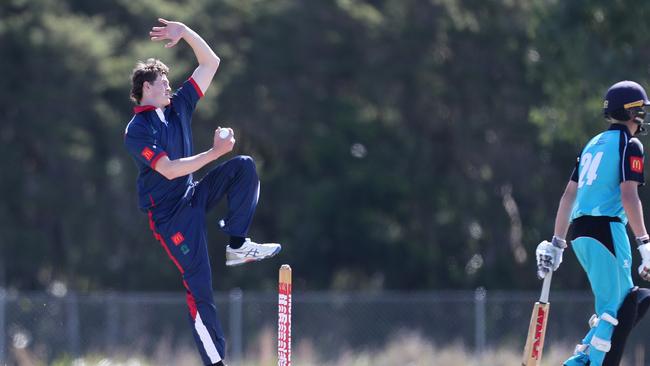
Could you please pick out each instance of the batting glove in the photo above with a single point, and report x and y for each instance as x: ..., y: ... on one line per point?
x: 644, y: 248
x: 549, y: 255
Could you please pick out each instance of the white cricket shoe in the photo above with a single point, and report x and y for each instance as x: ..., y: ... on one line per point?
x: 251, y: 252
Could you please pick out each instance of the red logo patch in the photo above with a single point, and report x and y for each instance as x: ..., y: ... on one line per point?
x: 147, y: 153
x: 178, y: 238
x: 636, y: 164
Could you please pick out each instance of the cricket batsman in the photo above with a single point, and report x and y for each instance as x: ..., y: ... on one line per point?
x: 159, y: 139
x: 599, y: 200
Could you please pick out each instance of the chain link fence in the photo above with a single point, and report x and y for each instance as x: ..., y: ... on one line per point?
x: 326, y: 324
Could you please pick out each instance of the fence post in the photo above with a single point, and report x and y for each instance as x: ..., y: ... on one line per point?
x: 3, y: 339
x: 236, y: 336
x: 480, y: 295
x: 72, y: 324
x: 112, y: 321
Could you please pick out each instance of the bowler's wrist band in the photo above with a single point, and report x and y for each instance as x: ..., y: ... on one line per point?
x: 558, y: 242
x: 645, y: 239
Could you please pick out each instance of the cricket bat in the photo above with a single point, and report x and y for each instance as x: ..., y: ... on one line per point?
x: 537, y: 327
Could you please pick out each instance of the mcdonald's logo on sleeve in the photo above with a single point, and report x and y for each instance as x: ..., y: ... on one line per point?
x: 636, y: 164
x: 147, y: 153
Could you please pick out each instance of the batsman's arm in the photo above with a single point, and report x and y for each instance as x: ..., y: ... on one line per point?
x: 633, y: 207
x: 563, y: 214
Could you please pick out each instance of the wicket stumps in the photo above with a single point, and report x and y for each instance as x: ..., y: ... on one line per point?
x: 284, y: 316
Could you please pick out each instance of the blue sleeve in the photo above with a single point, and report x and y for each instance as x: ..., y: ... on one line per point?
x: 633, y: 162
x: 185, y: 98
x: 141, y: 144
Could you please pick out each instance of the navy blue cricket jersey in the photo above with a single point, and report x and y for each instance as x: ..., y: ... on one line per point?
x: 153, y: 133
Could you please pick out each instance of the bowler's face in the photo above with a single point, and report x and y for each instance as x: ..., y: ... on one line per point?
x: 160, y: 91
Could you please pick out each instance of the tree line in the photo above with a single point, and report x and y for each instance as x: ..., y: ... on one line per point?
x: 401, y: 144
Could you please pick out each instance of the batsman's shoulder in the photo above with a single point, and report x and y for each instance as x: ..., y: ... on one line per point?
x: 635, y: 143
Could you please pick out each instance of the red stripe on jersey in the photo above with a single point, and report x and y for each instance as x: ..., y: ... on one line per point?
x: 143, y: 108
x: 162, y: 242
x: 196, y: 87
x: 191, y: 304
x: 155, y: 160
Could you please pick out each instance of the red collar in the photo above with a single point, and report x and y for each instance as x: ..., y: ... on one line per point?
x: 143, y: 108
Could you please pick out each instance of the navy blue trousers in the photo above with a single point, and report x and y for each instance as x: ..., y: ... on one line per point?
x: 182, y: 233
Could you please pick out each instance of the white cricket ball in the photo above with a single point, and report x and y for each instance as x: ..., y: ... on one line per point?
x: 224, y: 133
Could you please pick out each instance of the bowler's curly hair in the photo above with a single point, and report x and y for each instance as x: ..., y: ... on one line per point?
x: 145, y: 71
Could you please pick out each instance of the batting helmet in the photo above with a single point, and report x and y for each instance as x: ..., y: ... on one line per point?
x: 624, y: 101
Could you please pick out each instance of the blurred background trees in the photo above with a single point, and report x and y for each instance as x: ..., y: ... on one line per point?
x: 402, y: 144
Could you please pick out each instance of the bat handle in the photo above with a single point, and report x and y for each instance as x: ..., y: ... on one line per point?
x: 546, y: 287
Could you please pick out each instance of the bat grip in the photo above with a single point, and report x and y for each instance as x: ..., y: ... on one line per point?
x: 546, y: 287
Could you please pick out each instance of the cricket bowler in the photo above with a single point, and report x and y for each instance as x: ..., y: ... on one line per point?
x: 159, y: 139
